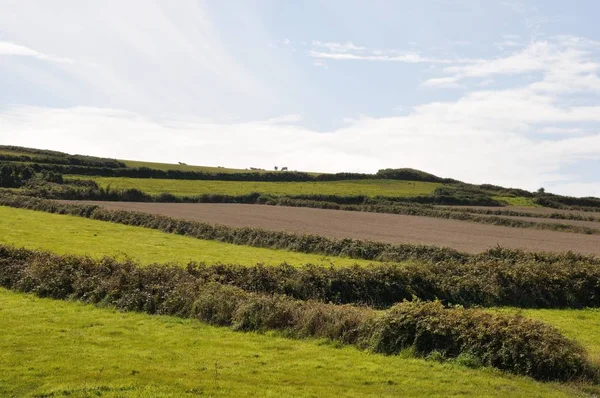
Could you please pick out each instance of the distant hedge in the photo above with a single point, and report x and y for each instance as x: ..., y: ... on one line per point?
x: 89, y: 190
x: 494, y: 277
x: 569, y: 203
x: 507, y: 342
x: 14, y: 175
x: 482, y: 281
x: 21, y: 154
x: 256, y: 237
x: 108, y: 168
x: 78, y: 189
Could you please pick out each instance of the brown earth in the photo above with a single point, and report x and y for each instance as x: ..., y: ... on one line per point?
x: 392, y: 228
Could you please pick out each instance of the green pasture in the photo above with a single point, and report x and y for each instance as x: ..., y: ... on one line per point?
x: 64, y: 234
x: 181, y: 167
x: 518, y: 201
x: 54, y: 348
x: 198, y: 187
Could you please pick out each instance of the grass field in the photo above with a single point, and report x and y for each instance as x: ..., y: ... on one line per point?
x: 182, y: 167
x: 188, y: 187
x: 518, y: 201
x: 54, y: 348
x: 75, y: 235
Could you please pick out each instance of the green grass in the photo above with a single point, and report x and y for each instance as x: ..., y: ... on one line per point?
x: 75, y: 235
x: 189, y: 187
x: 186, y: 167
x: 581, y: 325
x: 517, y: 201
x: 13, y: 153
x: 182, y: 167
x: 56, y: 348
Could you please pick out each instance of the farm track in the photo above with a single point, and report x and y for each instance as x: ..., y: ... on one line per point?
x: 461, y: 235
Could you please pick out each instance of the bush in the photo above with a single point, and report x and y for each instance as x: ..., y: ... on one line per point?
x: 511, y: 343
x: 505, y: 342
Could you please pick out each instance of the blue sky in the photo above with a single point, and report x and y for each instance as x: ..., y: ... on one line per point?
x: 505, y: 92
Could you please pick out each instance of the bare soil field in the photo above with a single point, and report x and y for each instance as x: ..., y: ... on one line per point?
x: 461, y: 235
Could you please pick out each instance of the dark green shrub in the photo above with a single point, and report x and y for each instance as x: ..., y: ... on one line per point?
x: 511, y: 343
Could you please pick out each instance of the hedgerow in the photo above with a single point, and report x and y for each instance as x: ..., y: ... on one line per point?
x: 507, y: 342
x: 89, y: 190
x: 352, y: 248
x: 21, y: 154
x: 572, y: 204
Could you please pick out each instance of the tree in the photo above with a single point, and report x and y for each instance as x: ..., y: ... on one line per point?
x: 541, y: 190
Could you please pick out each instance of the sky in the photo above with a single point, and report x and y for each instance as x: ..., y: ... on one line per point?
x: 491, y: 91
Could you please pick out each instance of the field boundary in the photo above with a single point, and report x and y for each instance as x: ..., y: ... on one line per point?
x: 353, y: 248
x: 490, y: 339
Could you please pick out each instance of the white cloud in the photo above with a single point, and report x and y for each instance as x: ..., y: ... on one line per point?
x: 442, y: 82
x: 166, y: 58
x: 568, y: 64
x: 12, y: 49
x: 150, y: 75
x: 380, y: 56
x: 350, y: 51
x: 561, y: 130
x: 486, y: 135
x: 464, y: 139
x: 335, y: 46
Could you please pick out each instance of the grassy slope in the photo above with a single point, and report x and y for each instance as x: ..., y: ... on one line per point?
x: 74, y: 235
x: 517, y: 201
x: 69, y: 348
x: 68, y: 234
x: 171, y: 166
x: 187, y: 187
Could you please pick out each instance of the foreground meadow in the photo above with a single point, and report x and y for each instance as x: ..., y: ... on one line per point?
x: 55, y: 348
x: 64, y: 234
x: 199, y: 187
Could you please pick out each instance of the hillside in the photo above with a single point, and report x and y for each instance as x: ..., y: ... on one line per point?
x: 22, y: 164
x: 269, y: 283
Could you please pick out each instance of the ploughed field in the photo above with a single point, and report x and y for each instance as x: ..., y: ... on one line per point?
x: 461, y: 235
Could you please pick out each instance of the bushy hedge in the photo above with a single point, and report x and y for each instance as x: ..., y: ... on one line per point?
x: 572, y: 201
x: 21, y: 154
x: 353, y: 248
x: 495, y: 277
x: 526, y: 284
x: 519, y: 213
x: 411, y: 175
x: 14, y: 175
x: 89, y: 190
x: 507, y: 342
x: 579, y: 204
x: 91, y: 166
